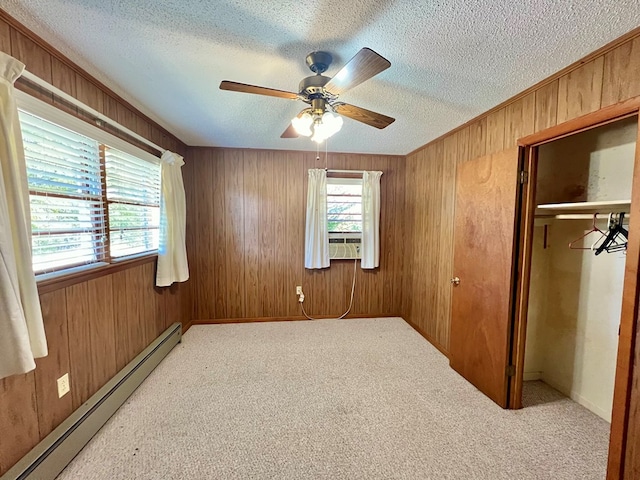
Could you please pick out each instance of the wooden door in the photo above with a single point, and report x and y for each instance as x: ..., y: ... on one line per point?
x: 481, y: 320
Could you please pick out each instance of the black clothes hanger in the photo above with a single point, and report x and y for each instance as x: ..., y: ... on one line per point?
x: 614, y: 242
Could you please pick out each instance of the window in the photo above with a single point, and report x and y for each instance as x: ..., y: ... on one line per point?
x: 344, y: 205
x: 133, y: 196
x: 90, y: 203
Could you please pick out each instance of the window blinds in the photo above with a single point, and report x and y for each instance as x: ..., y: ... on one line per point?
x: 133, y: 196
x: 344, y: 204
x: 65, y: 186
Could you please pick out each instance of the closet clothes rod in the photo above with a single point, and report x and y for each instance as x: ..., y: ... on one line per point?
x: 585, y: 216
x: 99, y: 117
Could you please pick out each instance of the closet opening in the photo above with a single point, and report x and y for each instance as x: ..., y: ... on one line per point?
x: 576, y: 296
x: 578, y: 255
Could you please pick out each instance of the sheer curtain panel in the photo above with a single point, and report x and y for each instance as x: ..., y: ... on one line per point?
x: 316, y: 239
x: 370, y: 220
x: 172, y: 252
x: 22, y: 335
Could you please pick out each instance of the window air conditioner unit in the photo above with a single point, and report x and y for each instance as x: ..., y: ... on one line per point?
x: 344, y: 246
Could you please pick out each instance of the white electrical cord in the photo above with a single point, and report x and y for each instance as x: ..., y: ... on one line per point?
x: 353, y: 288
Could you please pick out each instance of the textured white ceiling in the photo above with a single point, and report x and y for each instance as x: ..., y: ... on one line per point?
x: 450, y: 59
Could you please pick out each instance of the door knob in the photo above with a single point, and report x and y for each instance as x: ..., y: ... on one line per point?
x: 455, y: 281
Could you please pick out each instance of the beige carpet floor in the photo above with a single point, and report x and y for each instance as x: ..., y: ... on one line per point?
x: 333, y: 399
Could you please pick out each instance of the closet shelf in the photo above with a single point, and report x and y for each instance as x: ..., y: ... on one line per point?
x: 611, y: 206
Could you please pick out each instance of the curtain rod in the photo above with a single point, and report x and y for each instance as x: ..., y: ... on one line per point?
x: 331, y: 170
x: 99, y: 116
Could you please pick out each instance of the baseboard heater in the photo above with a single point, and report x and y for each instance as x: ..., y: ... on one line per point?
x: 47, y: 459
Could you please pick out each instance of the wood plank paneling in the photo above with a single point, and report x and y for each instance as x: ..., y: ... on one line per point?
x: 64, y: 78
x: 102, y: 329
x: 464, y: 150
x: 172, y: 308
x: 143, y: 128
x: 495, y: 131
x: 267, y: 281
x: 51, y: 409
x: 294, y: 228
x: 36, y: 58
x: 37, y: 61
x: 153, y: 305
x: 91, y: 326
x: 234, y: 233
x: 478, y: 138
x: 189, y: 289
x: 218, y: 235
x: 19, y: 416
x: 252, y: 236
x: 79, y: 325
x: 519, y: 120
x: 89, y: 94
x: 621, y: 73
x: 392, y: 239
x: 125, y: 116
x: 110, y: 106
x: 546, y: 106
x: 203, y: 235
x: 131, y: 314
x: 579, y: 92
x: 410, y: 241
x: 5, y: 37
x: 250, y: 242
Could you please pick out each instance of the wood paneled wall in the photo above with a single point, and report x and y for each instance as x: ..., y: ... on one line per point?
x: 94, y: 327
x: 601, y: 80
x: 247, y: 221
x: 604, y: 80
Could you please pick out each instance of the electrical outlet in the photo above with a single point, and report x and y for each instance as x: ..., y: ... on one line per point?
x: 298, y: 289
x: 63, y: 385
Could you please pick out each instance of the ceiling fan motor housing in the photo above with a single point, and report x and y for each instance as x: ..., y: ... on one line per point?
x: 313, y: 86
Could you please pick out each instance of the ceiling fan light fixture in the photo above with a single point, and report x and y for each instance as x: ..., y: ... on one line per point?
x: 318, y: 136
x: 302, y: 124
x: 325, y: 126
x: 332, y: 123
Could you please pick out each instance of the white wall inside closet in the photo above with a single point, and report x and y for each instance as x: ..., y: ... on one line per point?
x: 575, y: 296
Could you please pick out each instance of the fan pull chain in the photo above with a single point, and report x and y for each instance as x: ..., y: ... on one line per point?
x: 326, y: 154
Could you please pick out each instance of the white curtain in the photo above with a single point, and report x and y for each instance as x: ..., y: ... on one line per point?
x: 316, y: 246
x: 172, y: 250
x: 22, y: 335
x: 370, y: 219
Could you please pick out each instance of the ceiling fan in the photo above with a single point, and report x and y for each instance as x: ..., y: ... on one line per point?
x: 321, y: 94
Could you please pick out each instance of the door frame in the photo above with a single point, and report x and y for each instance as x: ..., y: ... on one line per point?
x: 631, y: 290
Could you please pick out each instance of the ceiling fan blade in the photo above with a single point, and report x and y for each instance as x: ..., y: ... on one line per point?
x: 244, y: 88
x: 290, y: 132
x: 360, y: 68
x: 363, y: 115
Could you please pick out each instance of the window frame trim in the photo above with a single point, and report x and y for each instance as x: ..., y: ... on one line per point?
x: 51, y: 281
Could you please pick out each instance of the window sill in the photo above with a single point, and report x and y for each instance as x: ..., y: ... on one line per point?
x: 57, y: 280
